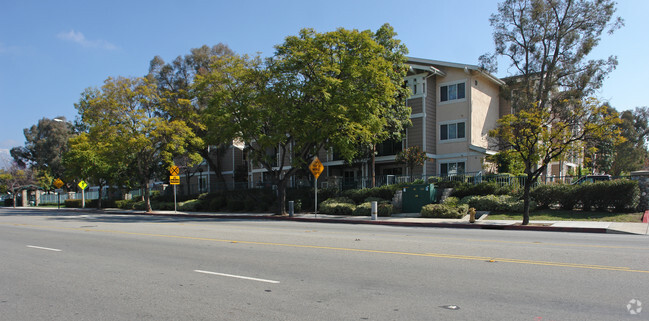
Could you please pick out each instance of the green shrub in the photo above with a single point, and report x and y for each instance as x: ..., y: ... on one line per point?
x: 451, y: 201
x: 481, y: 189
x: 337, y: 206
x: 360, y: 195
x: 189, y: 206
x: 125, y: 204
x: 384, y: 209
x: 72, y: 203
x: 500, y: 203
x: 547, y: 195
x: 444, y: 211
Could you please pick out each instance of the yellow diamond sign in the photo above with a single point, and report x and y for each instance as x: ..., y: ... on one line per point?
x: 174, y: 170
x: 83, y: 185
x: 58, y: 183
x: 316, y: 167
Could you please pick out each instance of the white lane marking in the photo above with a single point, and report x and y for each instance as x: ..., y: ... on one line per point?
x: 44, y: 248
x: 237, y: 276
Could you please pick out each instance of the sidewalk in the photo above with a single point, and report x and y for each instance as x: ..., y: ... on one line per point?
x: 412, y: 219
x: 402, y: 219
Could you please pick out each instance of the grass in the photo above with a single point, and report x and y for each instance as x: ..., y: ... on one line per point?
x: 561, y: 215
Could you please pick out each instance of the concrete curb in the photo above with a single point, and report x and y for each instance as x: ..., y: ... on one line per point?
x: 388, y: 223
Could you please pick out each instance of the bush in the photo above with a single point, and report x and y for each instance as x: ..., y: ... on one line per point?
x: 189, y: 206
x: 451, y: 201
x: 501, y: 203
x: 384, y: 209
x: 623, y: 195
x: 337, y: 206
x: 481, y: 189
x: 72, y: 203
x: 444, y: 211
x: 125, y: 204
x: 360, y: 195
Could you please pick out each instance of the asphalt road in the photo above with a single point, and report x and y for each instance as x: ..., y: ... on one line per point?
x: 57, y: 265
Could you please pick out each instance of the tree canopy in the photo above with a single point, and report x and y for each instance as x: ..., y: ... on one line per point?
x: 336, y: 90
x: 126, y: 114
x: 547, y: 43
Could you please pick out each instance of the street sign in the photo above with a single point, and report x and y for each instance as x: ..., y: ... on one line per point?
x: 174, y: 180
x: 174, y: 170
x: 83, y: 185
x: 58, y: 183
x: 316, y: 167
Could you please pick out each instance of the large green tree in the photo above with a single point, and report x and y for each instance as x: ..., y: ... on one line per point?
x: 631, y: 154
x: 319, y: 90
x: 45, y: 144
x: 547, y: 43
x: 175, y: 82
x: 127, y: 114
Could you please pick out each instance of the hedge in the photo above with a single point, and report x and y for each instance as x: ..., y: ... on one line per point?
x: 444, y: 211
x: 500, y: 203
x: 337, y: 206
x: 482, y: 189
x: 384, y: 209
x: 621, y: 195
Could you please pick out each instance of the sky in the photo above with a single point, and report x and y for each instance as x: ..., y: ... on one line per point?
x: 50, y: 51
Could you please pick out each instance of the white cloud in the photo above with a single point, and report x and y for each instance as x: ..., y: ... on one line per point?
x: 79, y: 38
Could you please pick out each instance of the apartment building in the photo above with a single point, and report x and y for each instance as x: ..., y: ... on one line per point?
x: 453, y: 106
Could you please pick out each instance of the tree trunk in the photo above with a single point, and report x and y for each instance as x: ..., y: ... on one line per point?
x: 101, y: 188
x: 147, y: 198
x: 526, y: 199
x: 281, y: 196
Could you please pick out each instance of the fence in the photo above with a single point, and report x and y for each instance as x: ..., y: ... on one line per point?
x: 339, y: 182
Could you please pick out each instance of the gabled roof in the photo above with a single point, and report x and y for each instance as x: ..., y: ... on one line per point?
x: 428, y: 65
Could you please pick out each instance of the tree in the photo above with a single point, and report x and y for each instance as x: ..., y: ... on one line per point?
x: 632, y: 153
x: 126, y: 114
x: 45, y: 144
x: 175, y: 82
x: 546, y: 43
x: 91, y: 158
x: 539, y: 136
x: 412, y: 156
x: 319, y: 90
x: 15, y: 177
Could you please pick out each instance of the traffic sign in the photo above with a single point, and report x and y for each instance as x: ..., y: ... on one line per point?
x: 174, y: 170
x: 58, y: 183
x: 83, y: 185
x: 316, y: 167
x: 174, y: 180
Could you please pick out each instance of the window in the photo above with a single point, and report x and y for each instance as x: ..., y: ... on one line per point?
x: 452, y: 131
x: 452, y: 92
x: 389, y: 147
x: 446, y: 169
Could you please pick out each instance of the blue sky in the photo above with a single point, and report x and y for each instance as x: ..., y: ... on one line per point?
x: 50, y: 51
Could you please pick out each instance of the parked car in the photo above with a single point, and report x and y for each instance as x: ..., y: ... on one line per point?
x: 592, y: 179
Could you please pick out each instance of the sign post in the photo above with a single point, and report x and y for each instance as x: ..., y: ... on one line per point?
x: 58, y: 183
x: 174, y: 180
x: 83, y: 186
x: 316, y: 168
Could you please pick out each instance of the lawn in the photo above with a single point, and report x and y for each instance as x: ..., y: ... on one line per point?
x: 561, y: 215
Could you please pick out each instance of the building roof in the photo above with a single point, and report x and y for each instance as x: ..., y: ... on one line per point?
x: 428, y: 65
